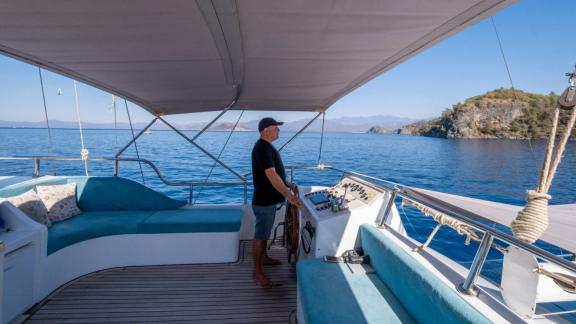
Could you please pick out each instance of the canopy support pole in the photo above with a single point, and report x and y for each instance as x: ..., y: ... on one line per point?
x: 232, y: 103
x: 300, y: 131
x: 202, y: 149
x: 136, y: 137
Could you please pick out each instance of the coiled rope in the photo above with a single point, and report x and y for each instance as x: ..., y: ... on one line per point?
x: 532, y: 221
x: 84, y: 152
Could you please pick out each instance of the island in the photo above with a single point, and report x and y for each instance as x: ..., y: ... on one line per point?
x: 501, y: 113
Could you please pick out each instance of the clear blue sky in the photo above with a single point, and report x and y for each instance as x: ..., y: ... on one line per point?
x: 537, y: 35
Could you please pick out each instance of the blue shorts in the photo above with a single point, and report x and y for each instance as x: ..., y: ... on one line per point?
x: 265, y: 216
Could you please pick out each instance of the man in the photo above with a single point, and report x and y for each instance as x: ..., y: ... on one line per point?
x: 270, y: 189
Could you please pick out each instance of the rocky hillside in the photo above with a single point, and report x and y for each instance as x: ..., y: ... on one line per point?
x: 502, y: 113
x: 377, y: 130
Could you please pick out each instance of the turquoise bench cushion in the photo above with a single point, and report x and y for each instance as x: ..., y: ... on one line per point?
x: 89, y: 225
x: 331, y: 293
x: 115, y: 193
x: 103, y: 193
x: 193, y: 220
x: 425, y: 297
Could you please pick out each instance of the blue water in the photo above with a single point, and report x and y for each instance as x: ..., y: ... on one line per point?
x: 497, y: 170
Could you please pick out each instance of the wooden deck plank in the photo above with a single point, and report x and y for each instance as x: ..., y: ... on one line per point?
x: 207, y: 293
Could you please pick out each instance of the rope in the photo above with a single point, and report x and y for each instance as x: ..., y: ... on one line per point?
x: 84, y: 152
x: 219, y: 154
x: 52, y: 163
x: 321, y: 138
x: 509, y: 74
x: 133, y: 137
x: 443, y: 219
x: 115, y: 123
x: 532, y: 220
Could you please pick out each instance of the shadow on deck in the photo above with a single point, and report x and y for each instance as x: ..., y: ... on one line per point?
x: 215, y: 293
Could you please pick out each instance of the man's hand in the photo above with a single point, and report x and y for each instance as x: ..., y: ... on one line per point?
x: 280, y: 186
x: 295, y: 200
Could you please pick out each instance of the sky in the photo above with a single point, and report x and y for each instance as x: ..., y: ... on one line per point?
x: 537, y: 38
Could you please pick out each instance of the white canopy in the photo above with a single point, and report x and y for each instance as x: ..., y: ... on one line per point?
x: 180, y: 56
x: 562, y: 218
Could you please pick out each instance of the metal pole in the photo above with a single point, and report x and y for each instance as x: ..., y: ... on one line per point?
x: 245, y: 193
x: 292, y: 175
x: 191, y: 192
x: 388, y: 209
x: 210, y: 123
x: 299, y: 132
x: 136, y: 137
x: 468, y: 287
x: 220, y: 115
x: 202, y: 149
x: 116, y: 167
x: 36, y: 168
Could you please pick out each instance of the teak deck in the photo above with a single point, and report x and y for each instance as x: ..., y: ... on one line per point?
x: 214, y: 293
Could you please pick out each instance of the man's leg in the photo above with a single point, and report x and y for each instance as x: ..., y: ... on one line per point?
x: 264, y: 221
x: 258, y: 250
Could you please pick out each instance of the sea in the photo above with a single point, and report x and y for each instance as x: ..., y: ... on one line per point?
x: 496, y: 170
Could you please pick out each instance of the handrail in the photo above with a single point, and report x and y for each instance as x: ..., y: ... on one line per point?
x: 457, y: 213
x: 189, y: 184
x: 395, y: 189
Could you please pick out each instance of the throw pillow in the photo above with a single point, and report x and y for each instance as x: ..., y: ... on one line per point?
x: 60, y: 200
x: 31, y: 205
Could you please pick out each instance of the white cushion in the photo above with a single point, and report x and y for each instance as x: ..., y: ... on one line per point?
x: 31, y: 205
x: 60, y: 200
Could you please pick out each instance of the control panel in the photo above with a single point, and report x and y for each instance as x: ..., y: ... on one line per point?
x: 332, y: 216
x: 348, y: 194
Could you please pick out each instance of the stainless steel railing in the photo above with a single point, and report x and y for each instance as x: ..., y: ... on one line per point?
x: 466, y: 217
x: 395, y: 190
x: 191, y: 185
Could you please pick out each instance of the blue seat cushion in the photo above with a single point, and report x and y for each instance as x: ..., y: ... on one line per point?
x: 89, y: 225
x: 193, y: 220
x: 331, y: 293
x: 115, y: 193
x: 103, y: 193
x: 425, y: 296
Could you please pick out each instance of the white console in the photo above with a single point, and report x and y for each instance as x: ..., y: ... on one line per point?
x: 332, y: 216
x: 19, y: 261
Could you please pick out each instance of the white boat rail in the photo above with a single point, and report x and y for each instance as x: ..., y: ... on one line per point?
x: 462, y: 215
x: 477, y: 222
x: 117, y: 161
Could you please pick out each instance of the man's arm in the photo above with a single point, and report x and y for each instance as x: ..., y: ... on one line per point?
x: 279, y: 185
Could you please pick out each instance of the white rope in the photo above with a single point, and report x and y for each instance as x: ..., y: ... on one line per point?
x: 443, y: 219
x: 84, y: 152
x: 532, y: 220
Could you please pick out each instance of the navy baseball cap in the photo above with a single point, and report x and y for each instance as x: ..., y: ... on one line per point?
x: 265, y: 122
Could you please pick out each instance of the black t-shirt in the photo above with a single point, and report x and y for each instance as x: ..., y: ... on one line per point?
x: 265, y: 156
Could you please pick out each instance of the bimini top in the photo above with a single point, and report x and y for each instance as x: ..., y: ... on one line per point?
x: 181, y: 56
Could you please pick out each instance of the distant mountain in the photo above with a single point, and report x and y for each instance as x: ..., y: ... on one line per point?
x: 347, y: 124
x: 342, y: 124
